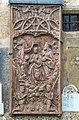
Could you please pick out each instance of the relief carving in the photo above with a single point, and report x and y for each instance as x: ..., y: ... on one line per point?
x: 36, y: 20
x: 35, y: 64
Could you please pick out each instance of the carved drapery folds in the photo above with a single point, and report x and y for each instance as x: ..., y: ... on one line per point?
x: 35, y: 68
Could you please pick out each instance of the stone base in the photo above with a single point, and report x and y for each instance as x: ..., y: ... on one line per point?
x: 1, y: 108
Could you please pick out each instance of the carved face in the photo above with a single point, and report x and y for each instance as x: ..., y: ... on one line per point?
x: 37, y: 74
x: 35, y: 49
x: 48, y: 87
x: 22, y: 88
x: 19, y: 46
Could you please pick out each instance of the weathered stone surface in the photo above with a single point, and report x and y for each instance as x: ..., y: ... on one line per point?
x: 5, y: 42
x: 4, y: 21
x: 71, y: 4
x: 70, y: 55
x: 35, y: 65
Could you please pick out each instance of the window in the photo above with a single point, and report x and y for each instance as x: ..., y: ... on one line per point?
x: 70, y: 22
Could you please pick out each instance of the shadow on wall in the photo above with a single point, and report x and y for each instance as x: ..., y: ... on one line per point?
x: 4, y: 72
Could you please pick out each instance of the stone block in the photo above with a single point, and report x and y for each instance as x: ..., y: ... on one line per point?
x: 70, y: 99
x: 1, y: 108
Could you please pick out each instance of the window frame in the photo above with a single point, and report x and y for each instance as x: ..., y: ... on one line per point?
x: 75, y: 22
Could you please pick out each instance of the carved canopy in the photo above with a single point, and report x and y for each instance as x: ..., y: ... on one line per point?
x: 35, y: 59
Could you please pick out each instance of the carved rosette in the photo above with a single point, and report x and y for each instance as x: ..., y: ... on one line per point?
x: 35, y: 68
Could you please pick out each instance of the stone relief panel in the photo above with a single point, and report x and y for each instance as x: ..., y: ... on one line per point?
x: 35, y: 60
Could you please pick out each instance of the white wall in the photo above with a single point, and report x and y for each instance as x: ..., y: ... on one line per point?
x: 71, y: 4
x: 5, y: 1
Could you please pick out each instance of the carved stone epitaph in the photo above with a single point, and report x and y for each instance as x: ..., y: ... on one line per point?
x: 35, y: 59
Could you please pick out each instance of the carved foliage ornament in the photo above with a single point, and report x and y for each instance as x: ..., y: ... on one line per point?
x: 35, y: 68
